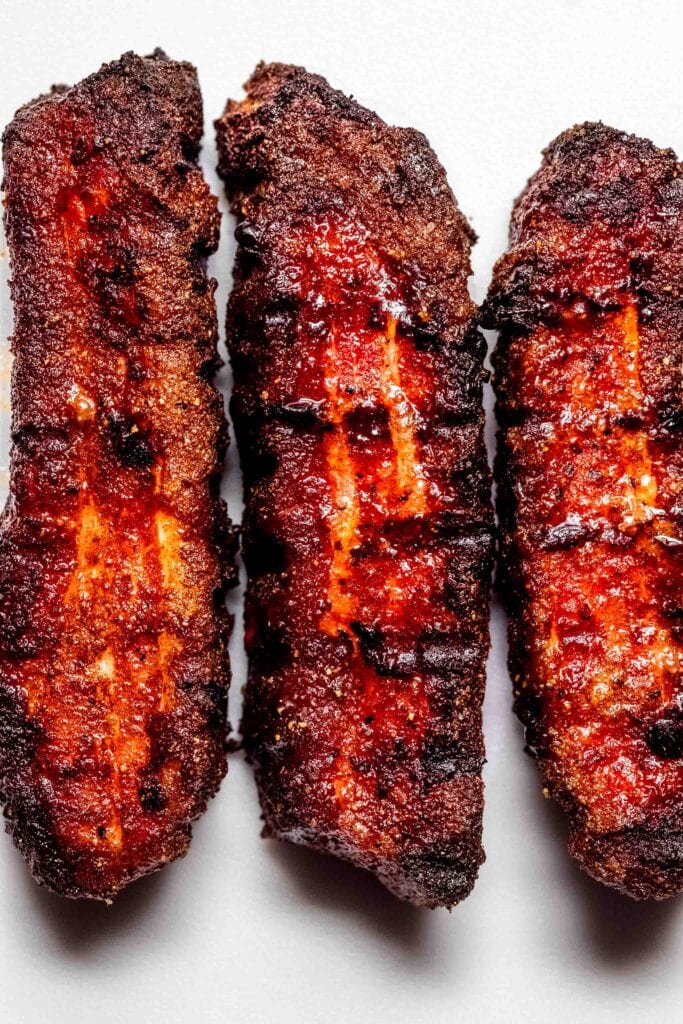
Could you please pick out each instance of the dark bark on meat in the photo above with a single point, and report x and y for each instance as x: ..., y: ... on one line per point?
x: 590, y: 477
x: 368, y: 528
x: 115, y: 548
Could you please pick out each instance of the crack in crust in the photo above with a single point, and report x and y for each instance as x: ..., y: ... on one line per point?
x: 115, y: 548
x: 368, y: 528
x: 590, y: 474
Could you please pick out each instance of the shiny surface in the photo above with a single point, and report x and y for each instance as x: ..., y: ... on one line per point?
x: 245, y: 929
x: 377, y: 392
x: 606, y: 655
x: 111, y: 552
x: 367, y: 527
x: 590, y: 472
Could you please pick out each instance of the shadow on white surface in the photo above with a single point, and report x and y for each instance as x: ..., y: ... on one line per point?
x: 609, y: 931
x: 328, y: 884
x: 80, y: 926
x: 619, y: 933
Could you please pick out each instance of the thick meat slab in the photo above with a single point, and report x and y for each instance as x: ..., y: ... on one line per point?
x: 114, y: 545
x: 590, y: 473
x: 367, y: 532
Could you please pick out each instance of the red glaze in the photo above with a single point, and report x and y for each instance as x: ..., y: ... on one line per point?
x: 591, y: 472
x: 603, y: 647
x: 112, y: 662
x: 357, y: 406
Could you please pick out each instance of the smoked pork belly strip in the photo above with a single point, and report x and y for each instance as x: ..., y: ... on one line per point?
x: 368, y: 527
x: 590, y: 476
x: 114, y: 545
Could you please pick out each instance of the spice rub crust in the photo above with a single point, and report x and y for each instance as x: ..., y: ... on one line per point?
x: 367, y: 527
x: 590, y: 476
x: 115, y: 547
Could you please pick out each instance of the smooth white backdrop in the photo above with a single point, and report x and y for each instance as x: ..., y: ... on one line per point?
x: 245, y: 930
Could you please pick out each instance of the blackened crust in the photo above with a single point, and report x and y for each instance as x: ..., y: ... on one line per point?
x: 598, y: 228
x: 304, y: 167
x: 115, y: 548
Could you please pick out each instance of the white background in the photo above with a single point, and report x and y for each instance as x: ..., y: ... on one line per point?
x: 245, y: 930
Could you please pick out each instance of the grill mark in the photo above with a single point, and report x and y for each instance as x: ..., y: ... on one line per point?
x: 587, y: 373
x: 357, y: 372
x: 103, y: 487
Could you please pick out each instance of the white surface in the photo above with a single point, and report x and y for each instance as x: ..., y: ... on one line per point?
x: 245, y: 930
